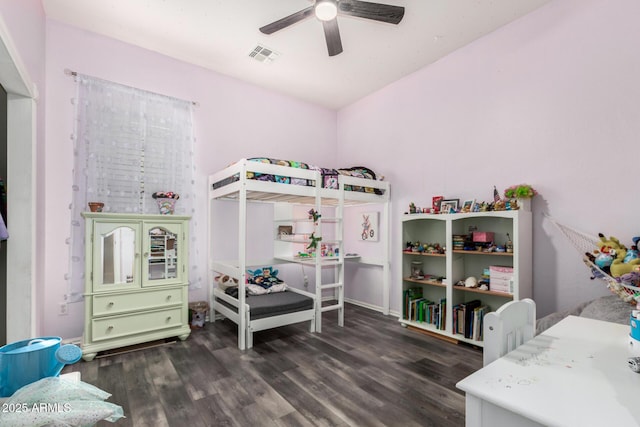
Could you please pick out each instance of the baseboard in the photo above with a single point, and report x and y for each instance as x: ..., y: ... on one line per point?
x: 77, y: 341
x: 433, y: 334
x: 363, y: 304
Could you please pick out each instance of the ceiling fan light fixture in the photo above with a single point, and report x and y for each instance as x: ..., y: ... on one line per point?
x: 326, y: 10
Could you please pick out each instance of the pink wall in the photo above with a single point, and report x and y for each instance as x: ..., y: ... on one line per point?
x: 25, y: 22
x: 552, y: 99
x: 233, y: 120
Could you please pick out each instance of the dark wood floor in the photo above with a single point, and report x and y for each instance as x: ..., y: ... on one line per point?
x: 372, y: 372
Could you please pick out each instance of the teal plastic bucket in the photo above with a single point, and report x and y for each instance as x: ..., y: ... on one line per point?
x: 27, y: 361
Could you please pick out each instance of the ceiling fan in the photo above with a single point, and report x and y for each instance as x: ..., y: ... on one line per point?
x: 328, y: 10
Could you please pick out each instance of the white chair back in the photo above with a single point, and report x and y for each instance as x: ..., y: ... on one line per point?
x: 510, y: 326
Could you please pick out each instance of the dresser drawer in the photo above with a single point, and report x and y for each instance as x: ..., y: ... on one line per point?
x: 135, y: 301
x: 120, y: 326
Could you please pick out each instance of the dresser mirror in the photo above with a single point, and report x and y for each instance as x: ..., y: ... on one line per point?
x: 162, y: 254
x: 118, y: 256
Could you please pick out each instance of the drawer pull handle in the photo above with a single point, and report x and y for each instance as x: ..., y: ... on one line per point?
x: 110, y: 328
x: 110, y: 304
x: 168, y: 297
x: 168, y: 318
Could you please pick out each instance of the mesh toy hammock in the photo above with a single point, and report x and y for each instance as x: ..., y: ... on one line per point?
x: 586, y: 243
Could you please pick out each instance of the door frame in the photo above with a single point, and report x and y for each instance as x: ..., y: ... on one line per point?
x: 21, y: 204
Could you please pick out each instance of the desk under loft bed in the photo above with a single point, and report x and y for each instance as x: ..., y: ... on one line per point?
x: 285, y: 183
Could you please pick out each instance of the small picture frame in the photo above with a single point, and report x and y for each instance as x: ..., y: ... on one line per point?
x: 285, y: 230
x: 369, y: 231
x: 447, y: 205
x: 435, y: 203
x: 467, y: 205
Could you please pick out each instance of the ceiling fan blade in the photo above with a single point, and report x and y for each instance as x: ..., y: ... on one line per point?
x: 376, y: 11
x: 332, y: 34
x: 287, y: 21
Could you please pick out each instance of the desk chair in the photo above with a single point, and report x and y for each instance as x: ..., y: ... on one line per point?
x: 510, y: 326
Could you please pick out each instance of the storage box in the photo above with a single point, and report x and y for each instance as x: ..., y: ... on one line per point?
x: 483, y: 236
x: 501, y: 278
x: 500, y: 272
x: 505, y: 286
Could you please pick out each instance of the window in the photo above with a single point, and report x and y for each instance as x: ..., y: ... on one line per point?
x: 129, y: 143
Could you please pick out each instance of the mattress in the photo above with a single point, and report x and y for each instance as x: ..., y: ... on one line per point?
x: 274, y: 304
x: 329, y: 177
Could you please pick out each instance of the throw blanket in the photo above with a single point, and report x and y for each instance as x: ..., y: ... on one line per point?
x: 609, y: 308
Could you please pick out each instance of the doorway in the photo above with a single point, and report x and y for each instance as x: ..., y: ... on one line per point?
x: 20, y: 314
x: 3, y: 245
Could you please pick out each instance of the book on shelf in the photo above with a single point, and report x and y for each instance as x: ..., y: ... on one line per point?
x: 431, y: 312
x: 467, y: 319
x: 468, y: 316
x: 414, y: 306
x: 478, y: 322
x: 410, y: 295
x: 441, y: 314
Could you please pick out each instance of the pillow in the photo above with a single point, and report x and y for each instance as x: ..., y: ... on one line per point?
x: 259, y: 290
x: 610, y: 309
x: 58, y: 402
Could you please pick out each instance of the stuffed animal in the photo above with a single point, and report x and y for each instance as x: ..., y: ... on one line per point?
x: 605, y: 245
x: 197, y: 314
x: 225, y: 281
x: 603, y: 260
x: 632, y: 278
x: 197, y: 319
x: 618, y: 252
x: 608, y: 249
x: 619, y: 267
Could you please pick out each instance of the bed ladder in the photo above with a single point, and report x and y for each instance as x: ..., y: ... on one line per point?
x: 338, y: 284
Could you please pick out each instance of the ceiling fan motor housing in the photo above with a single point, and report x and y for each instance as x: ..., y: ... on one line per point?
x: 326, y: 10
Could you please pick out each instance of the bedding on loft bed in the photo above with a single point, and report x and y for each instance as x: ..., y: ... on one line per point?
x: 329, y: 176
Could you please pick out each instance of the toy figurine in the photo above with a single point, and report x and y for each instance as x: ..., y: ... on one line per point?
x: 314, y: 215
x: 313, y: 244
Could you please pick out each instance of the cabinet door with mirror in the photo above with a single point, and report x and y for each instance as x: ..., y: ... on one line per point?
x: 116, y: 248
x: 162, y: 254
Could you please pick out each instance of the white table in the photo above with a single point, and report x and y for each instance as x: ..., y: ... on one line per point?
x: 573, y: 374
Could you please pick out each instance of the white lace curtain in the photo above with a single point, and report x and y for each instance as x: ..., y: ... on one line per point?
x: 128, y: 144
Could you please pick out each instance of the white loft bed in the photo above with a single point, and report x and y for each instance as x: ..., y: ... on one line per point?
x: 232, y: 183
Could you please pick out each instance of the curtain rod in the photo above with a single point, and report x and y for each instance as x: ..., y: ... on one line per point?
x: 75, y: 74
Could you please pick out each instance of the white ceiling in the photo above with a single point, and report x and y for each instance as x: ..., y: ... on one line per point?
x: 220, y: 34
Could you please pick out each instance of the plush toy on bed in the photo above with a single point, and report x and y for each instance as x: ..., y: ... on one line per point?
x: 264, y: 281
x: 225, y: 281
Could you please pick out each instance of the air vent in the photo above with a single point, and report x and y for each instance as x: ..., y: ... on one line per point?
x: 263, y: 54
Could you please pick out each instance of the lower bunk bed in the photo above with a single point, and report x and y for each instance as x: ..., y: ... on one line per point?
x: 265, y: 311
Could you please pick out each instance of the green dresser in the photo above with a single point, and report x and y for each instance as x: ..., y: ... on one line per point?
x: 136, y: 280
